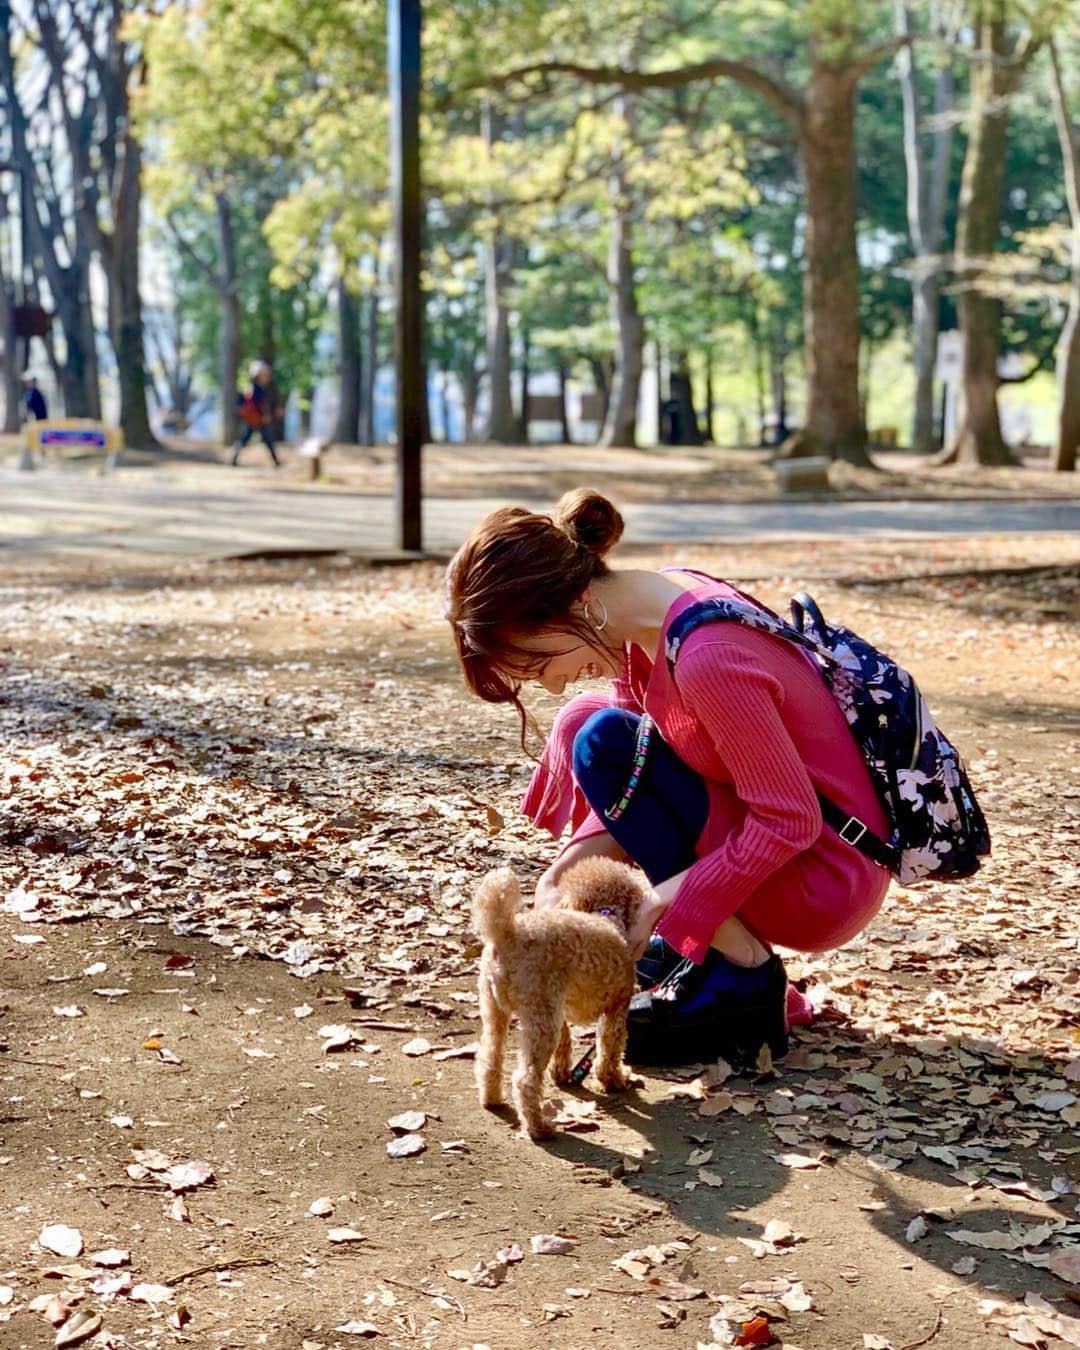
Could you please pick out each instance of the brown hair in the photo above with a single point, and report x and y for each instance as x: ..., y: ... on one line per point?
x: 520, y: 572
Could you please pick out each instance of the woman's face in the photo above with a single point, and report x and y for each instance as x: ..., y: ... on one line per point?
x: 562, y: 659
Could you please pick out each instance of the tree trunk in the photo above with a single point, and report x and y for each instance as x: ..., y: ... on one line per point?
x: 68, y: 282
x: 759, y: 371
x: 526, y: 356
x: 926, y: 201
x: 564, y: 413
x: 603, y: 388
x: 125, y: 301
x: 979, y: 439
x: 370, y: 367
x: 12, y: 387
x: 500, y: 418
x: 498, y: 264
x: 1063, y: 457
x: 681, y: 400
x: 707, y: 431
x: 228, y: 282
x: 834, y: 425
x: 350, y: 365
x: 470, y: 389
x: 778, y: 374
x: 620, y: 421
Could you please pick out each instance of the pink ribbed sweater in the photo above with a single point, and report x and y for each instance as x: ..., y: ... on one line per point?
x: 752, y: 715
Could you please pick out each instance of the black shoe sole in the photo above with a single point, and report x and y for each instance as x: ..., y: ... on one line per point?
x: 660, y: 1041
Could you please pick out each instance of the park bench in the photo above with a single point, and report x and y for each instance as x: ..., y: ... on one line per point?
x: 79, y: 433
x: 810, y: 474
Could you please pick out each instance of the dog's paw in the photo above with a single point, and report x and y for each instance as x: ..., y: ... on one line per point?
x: 538, y: 1130
x: 618, y: 1081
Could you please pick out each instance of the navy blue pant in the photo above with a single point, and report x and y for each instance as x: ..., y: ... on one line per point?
x: 661, y: 825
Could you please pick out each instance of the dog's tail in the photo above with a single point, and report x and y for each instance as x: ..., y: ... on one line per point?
x: 497, y: 900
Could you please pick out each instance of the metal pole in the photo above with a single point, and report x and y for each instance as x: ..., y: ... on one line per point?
x: 403, y: 59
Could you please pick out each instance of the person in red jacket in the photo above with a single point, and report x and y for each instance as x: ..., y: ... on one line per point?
x: 254, y: 409
x: 719, y: 806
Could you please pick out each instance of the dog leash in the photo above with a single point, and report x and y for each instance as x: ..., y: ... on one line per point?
x: 580, y: 1071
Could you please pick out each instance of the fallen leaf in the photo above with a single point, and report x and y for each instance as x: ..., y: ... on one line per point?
x: 916, y: 1229
x: 357, y: 1328
x: 345, y: 1235
x: 152, y: 1293
x: 59, y: 1238
x: 78, y: 1327
x: 469, y: 1051
x: 550, y: 1244
x: 716, y: 1105
x: 406, y: 1146
x: 408, y: 1122
x: 798, y: 1161
x: 186, y: 1176
x: 756, y: 1331
x: 1064, y: 1262
x: 110, y: 1256
x: 417, y: 1046
x: 321, y: 1208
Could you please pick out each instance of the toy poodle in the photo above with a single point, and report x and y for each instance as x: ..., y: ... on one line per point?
x: 569, y: 963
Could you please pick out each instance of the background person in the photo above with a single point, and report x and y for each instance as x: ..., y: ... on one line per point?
x: 254, y: 409
x: 36, y: 408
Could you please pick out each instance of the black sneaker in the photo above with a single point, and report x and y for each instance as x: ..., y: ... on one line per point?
x: 716, y: 1009
x: 659, y: 961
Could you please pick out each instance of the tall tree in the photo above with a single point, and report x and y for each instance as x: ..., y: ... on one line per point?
x: 498, y: 267
x: 998, y: 62
x: 1063, y: 456
x: 107, y: 173
x: 620, y: 422
x: 58, y: 235
x: 927, y: 188
x: 821, y: 115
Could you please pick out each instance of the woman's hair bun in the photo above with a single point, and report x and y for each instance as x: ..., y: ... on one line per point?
x: 590, y: 520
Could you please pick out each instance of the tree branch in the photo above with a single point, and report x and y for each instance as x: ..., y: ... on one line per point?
x: 869, y: 59
x: 1042, y: 360
x: 207, y: 270
x: 781, y: 96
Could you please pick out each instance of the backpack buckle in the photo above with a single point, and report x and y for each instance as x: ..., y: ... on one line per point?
x: 856, y: 825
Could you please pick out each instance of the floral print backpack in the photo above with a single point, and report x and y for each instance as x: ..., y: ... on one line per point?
x: 936, y: 829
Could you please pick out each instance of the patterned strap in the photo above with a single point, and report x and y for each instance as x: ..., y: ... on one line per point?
x: 641, y: 750
x: 749, y: 616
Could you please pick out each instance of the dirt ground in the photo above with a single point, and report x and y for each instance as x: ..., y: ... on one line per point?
x: 244, y: 809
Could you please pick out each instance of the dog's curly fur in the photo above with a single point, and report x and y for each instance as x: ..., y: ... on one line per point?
x: 570, y: 963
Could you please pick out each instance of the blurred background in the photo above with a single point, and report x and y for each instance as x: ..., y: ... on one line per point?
x: 821, y: 226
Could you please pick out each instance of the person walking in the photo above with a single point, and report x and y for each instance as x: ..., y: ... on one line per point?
x: 253, y: 407
x: 706, y: 775
x: 37, y: 409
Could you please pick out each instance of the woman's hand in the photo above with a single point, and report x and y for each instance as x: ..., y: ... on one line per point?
x: 648, y: 916
x: 651, y: 912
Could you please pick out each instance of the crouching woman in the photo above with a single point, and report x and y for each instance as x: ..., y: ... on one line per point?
x: 706, y: 775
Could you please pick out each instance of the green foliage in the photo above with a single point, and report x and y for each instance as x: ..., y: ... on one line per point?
x: 281, y: 104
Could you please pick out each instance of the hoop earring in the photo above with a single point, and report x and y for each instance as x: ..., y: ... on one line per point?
x: 590, y: 619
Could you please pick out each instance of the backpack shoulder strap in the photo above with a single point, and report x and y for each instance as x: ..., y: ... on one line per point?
x: 733, y: 611
x: 850, y: 828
